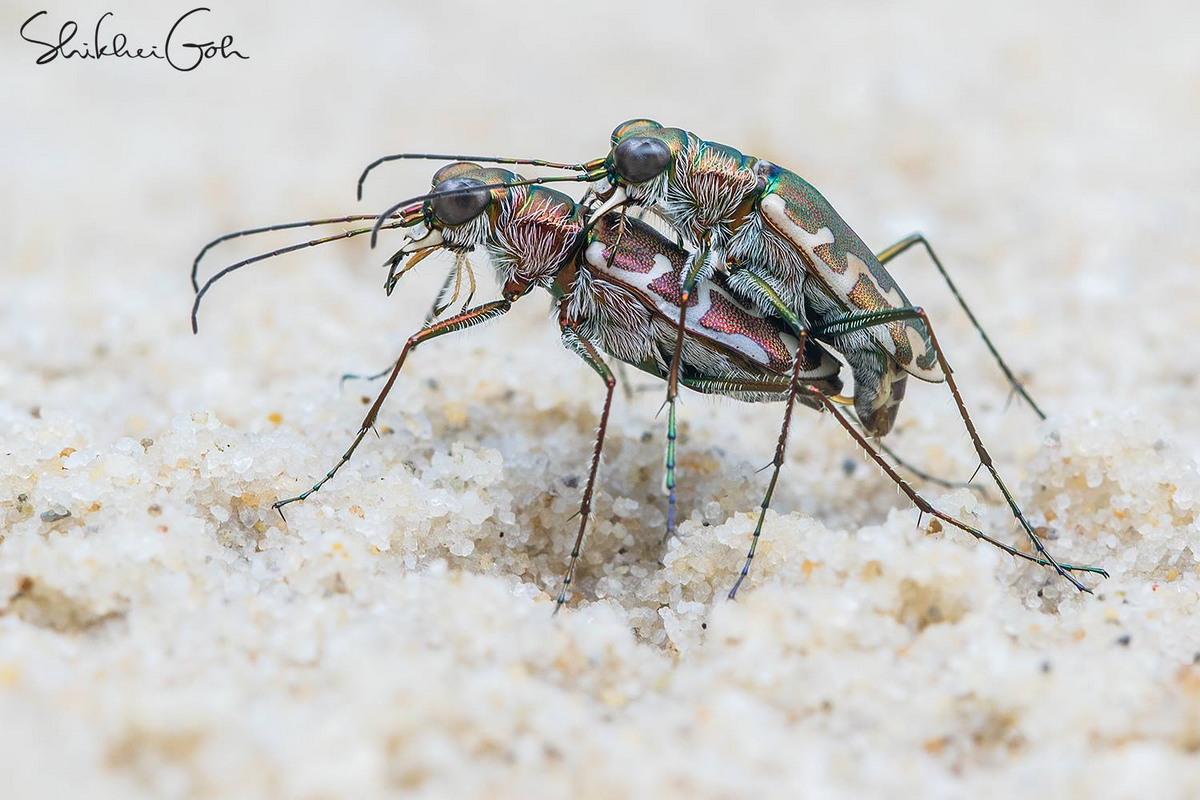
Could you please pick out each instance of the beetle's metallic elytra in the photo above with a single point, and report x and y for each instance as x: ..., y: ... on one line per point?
x: 618, y: 286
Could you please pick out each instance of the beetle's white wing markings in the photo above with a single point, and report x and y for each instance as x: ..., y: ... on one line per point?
x: 856, y: 269
x: 662, y: 266
x: 640, y: 282
x: 934, y: 374
x: 774, y: 208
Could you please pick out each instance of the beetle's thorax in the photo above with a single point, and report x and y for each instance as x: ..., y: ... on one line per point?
x: 706, y: 189
x: 534, y: 234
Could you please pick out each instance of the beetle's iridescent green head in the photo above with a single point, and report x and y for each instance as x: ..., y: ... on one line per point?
x: 631, y: 127
x: 641, y: 162
x: 642, y: 155
x: 461, y: 193
x: 458, y: 214
x: 527, y: 229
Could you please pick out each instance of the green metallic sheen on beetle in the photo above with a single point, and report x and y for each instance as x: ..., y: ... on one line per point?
x: 761, y: 219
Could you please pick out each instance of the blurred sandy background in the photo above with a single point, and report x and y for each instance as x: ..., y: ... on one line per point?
x: 163, y: 634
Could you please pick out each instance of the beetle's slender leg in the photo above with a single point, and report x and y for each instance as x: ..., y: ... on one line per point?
x: 353, y: 376
x: 669, y: 466
x: 798, y: 327
x: 612, y: 251
x: 447, y: 295
x: 780, y: 448
x: 467, y: 319
x: 688, y: 281
x: 919, y: 238
x: 921, y: 474
x: 923, y: 505
x: 452, y: 280
x: 767, y: 296
x: 781, y: 308
x: 853, y: 322
x: 585, y: 350
x: 622, y: 375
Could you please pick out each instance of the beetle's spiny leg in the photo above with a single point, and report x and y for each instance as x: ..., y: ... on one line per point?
x: 859, y: 321
x: 362, y: 432
x: 986, y: 459
x: 467, y: 319
x: 585, y: 350
x: 902, y: 485
x: 669, y: 467
x: 921, y: 474
x: 688, y: 281
x: 918, y: 238
x: 923, y: 505
x: 777, y: 461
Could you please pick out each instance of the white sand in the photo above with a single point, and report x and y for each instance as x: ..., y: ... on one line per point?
x: 171, y: 637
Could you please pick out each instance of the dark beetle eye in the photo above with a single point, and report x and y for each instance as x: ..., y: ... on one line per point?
x: 641, y: 158
x: 461, y: 206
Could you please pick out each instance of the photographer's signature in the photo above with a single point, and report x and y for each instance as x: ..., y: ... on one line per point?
x: 181, y: 53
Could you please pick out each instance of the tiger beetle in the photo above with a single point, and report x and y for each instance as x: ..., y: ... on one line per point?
x: 783, y: 249
x: 788, y: 252
x: 616, y: 283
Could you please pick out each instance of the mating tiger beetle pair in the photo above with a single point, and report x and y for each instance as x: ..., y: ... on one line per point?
x: 771, y: 285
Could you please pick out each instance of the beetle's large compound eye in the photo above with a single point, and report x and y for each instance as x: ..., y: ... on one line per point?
x: 641, y: 158
x: 461, y: 206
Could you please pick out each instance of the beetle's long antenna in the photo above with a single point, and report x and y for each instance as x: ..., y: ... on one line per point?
x: 281, y: 251
x: 533, y: 162
x: 403, y: 204
x: 267, y: 229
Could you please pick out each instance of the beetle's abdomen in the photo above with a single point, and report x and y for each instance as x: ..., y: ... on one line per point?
x: 632, y: 280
